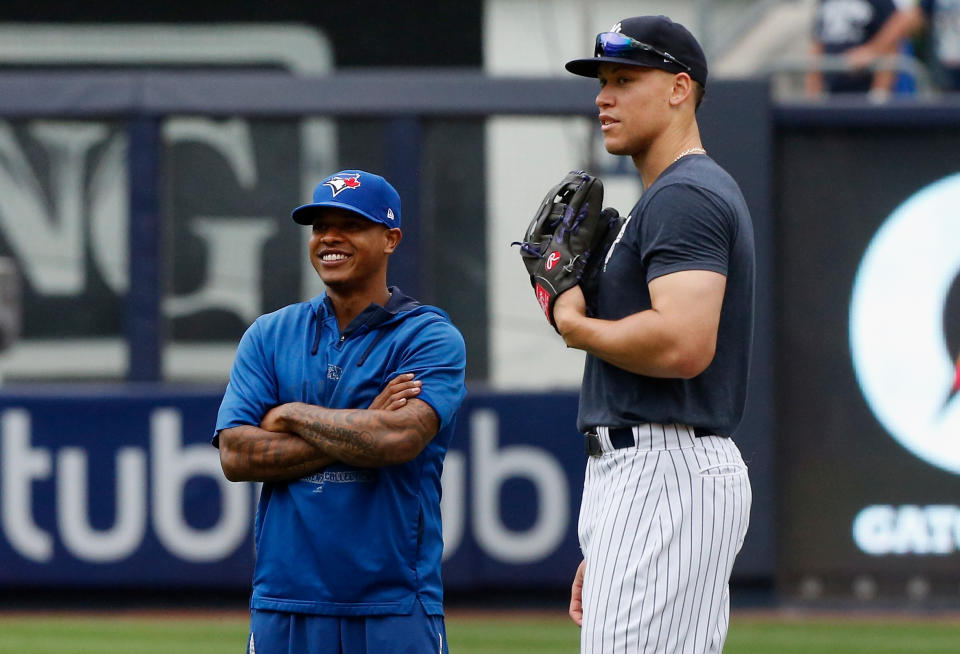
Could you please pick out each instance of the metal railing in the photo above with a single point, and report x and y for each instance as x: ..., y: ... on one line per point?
x: 926, y: 88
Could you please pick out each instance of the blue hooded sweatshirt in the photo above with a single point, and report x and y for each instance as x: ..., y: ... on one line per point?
x: 346, y: 540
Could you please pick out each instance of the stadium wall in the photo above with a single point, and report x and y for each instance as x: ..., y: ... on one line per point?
x: 112, y: 485
x: 148, y: 215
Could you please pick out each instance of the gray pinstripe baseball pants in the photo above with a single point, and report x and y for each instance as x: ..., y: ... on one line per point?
x: 660, y: 525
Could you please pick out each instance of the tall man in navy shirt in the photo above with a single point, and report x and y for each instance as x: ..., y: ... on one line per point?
x: 344, y: 407
x: 666, y: 496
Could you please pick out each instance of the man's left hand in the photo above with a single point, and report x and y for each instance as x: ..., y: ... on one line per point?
x: 396, y: 393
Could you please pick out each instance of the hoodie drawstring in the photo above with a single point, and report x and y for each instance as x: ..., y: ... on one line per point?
x: 316, y: 335
x: 373, y: 344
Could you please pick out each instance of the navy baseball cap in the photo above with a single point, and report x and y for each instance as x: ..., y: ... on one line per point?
x: 649, y: 41
x: 358, y: 191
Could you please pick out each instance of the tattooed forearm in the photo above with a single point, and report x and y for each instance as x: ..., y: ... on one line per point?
x: 344, y: 431
x: 366, y: 438
x: 249, y: 453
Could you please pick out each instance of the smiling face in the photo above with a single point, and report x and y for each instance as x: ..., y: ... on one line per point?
x: 350, y: 252
x: 635, y: 107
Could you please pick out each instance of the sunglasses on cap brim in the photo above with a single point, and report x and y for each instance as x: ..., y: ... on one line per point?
x: 615, y: 44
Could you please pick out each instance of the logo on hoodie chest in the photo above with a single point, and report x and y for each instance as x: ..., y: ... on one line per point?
x: 321, y: 479
x: 334, y: 372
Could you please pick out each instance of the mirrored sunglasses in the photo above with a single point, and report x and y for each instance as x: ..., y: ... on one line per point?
x: 615, y: 44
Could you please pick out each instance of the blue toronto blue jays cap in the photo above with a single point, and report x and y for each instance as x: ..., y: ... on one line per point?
x: 648, y: 41
x: 358, y: 191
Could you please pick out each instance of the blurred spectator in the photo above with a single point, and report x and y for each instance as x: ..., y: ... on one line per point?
x: 839, y: 26
x: 941, y: 21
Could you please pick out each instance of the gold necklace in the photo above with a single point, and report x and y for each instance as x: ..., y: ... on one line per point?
x: 693, y: 150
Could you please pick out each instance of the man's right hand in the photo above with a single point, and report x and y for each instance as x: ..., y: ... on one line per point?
x: 395, y: 394
x: 576, y: 595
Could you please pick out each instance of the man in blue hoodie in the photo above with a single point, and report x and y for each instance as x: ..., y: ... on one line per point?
x: 344, y: 407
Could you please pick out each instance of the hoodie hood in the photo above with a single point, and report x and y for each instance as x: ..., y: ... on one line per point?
x: 399, y: 307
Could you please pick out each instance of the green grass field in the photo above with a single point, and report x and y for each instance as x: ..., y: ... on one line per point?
x: 470, y: 634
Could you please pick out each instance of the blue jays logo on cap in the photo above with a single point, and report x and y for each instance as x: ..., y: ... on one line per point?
x: 338, y: 183
x: 357, y: 191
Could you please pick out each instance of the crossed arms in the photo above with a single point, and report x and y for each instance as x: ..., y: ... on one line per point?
x: 296, y: 439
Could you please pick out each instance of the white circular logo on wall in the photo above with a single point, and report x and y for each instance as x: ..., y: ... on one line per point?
x: 897, y: 339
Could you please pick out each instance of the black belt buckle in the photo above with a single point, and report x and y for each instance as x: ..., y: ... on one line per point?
x: 591, y: 444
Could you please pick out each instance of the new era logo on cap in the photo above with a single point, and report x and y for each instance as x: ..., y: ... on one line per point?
x: 363, y: 193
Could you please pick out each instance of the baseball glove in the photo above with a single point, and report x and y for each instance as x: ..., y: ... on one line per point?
x: 567, y: 239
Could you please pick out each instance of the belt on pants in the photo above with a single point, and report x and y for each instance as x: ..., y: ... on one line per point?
x: 623, y: 437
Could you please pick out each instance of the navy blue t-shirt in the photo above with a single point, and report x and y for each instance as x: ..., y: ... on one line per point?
x: 693, y: 217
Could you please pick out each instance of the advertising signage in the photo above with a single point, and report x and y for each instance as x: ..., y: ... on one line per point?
x: 869, y: 355
x: 120, y: 488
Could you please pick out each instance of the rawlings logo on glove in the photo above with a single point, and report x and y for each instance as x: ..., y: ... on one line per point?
x: 567, y: 240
